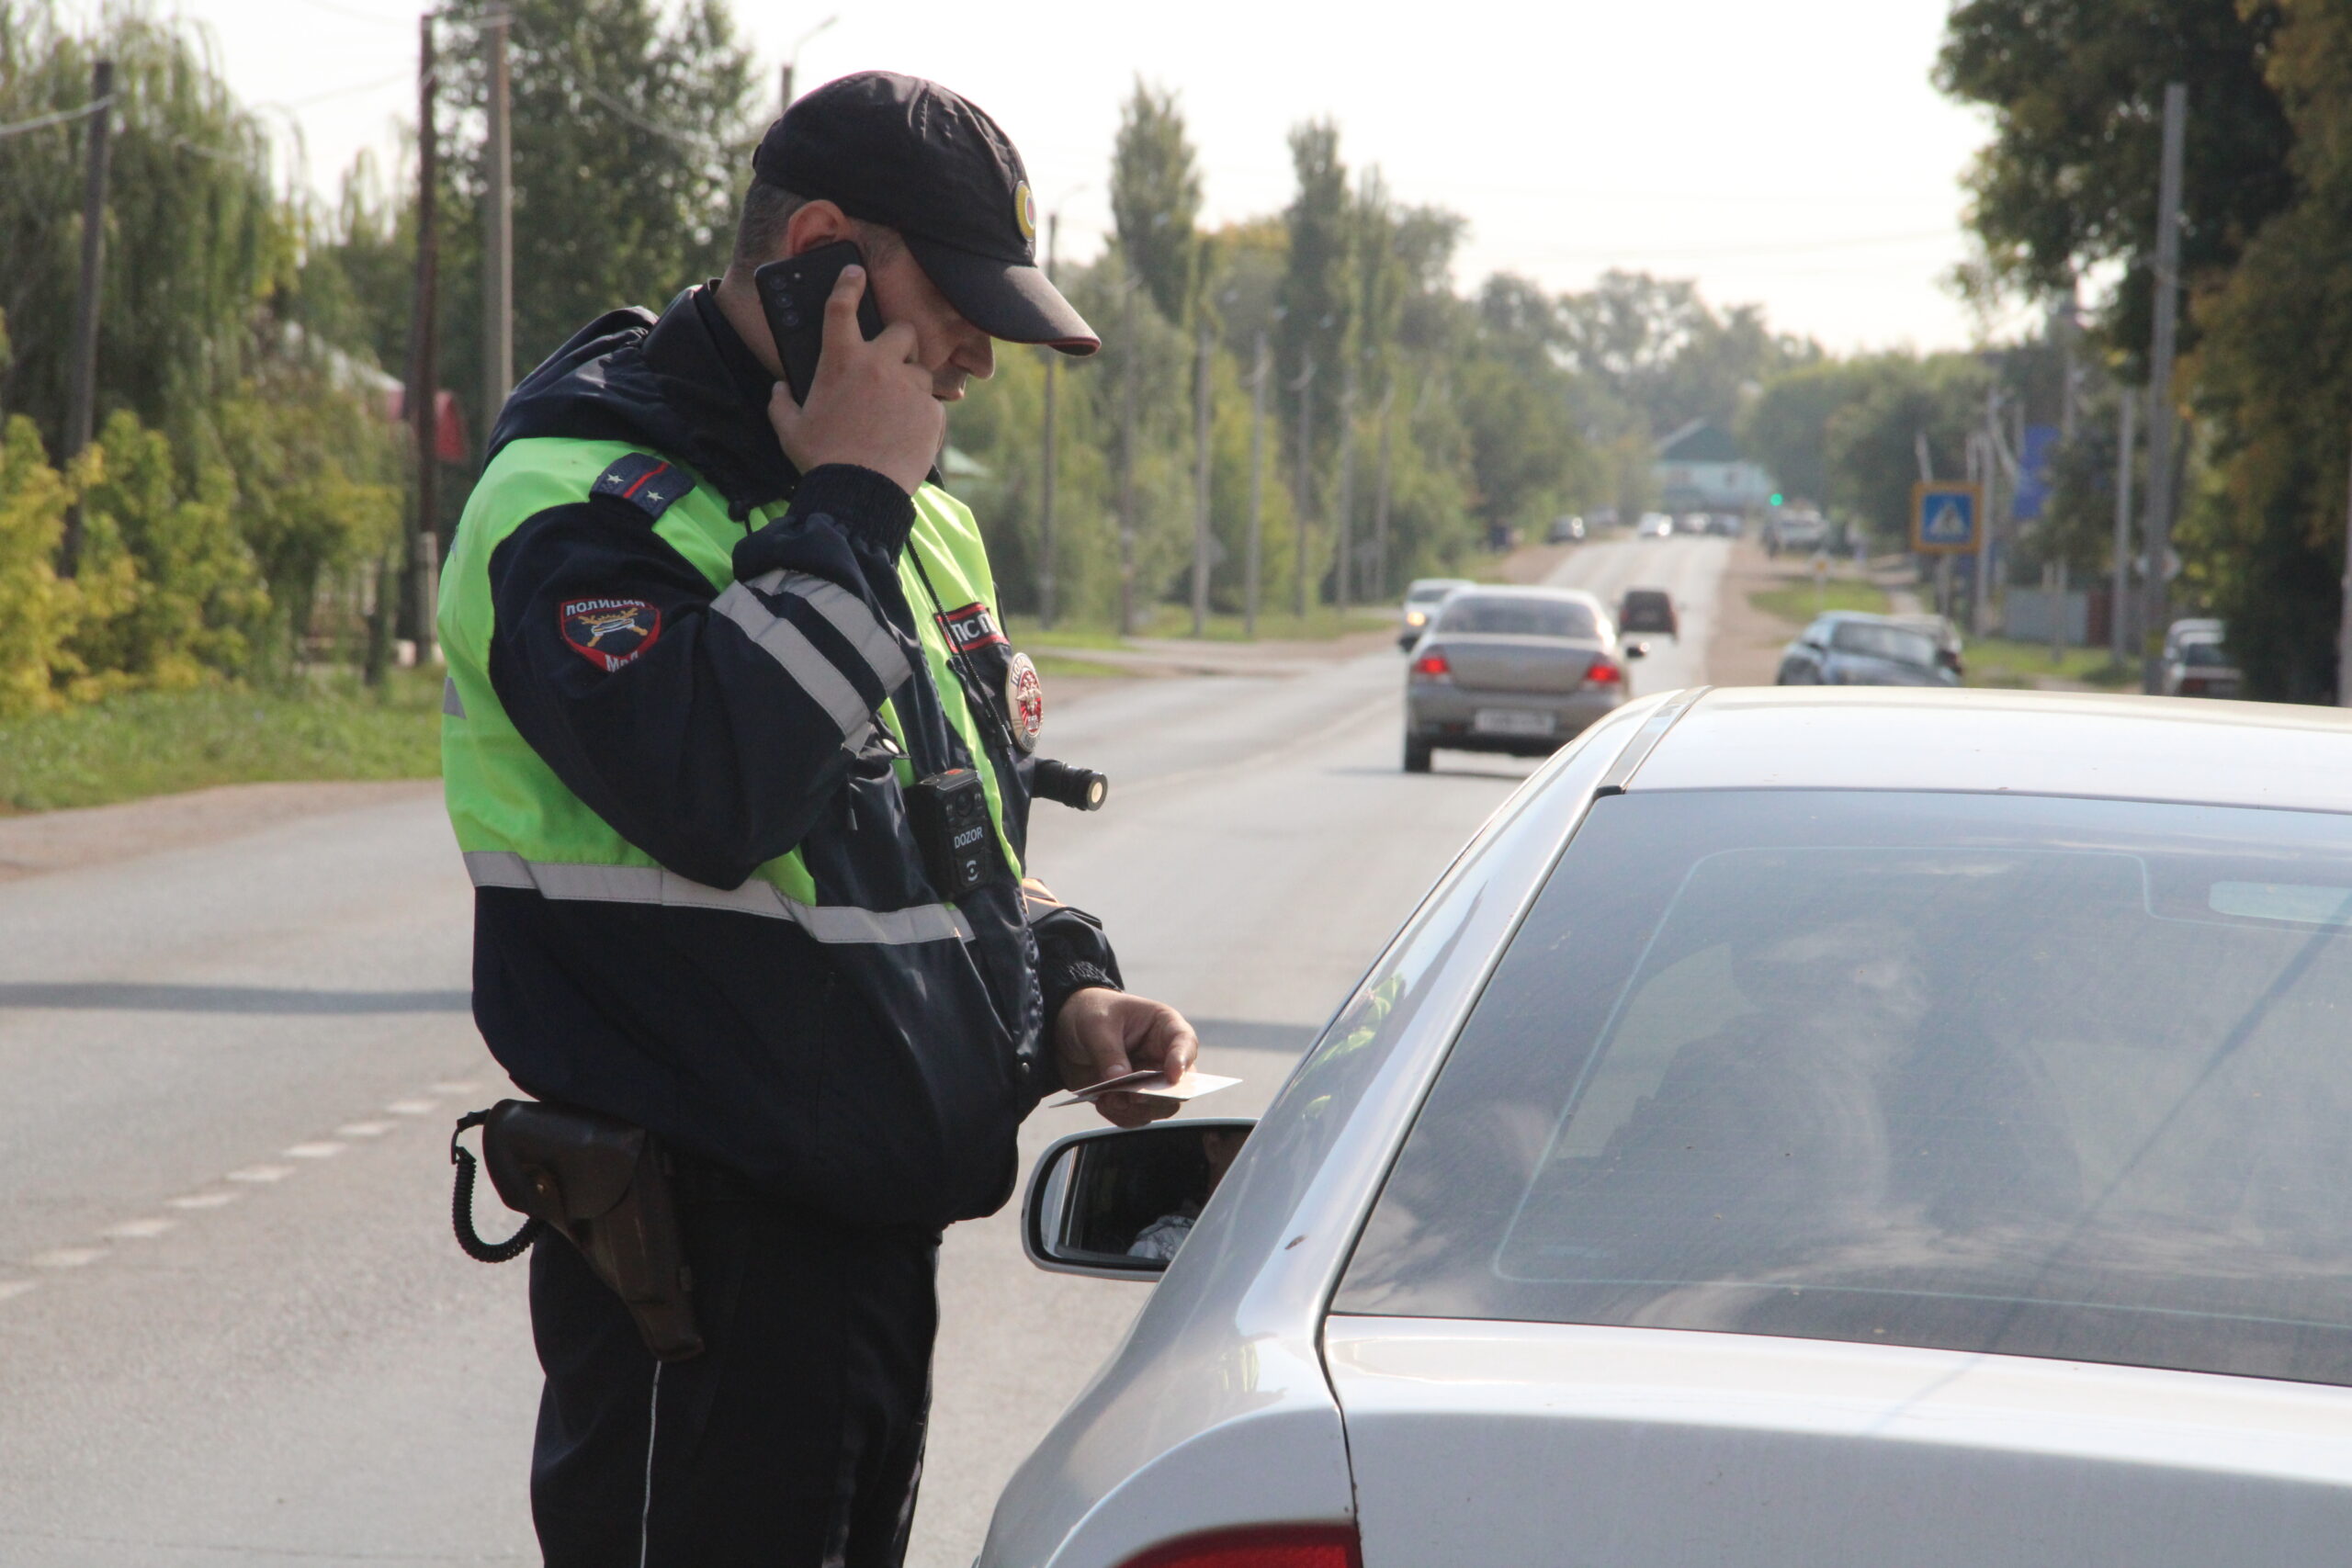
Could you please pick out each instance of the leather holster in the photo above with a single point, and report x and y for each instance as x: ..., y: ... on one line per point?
x: 605, y: 1187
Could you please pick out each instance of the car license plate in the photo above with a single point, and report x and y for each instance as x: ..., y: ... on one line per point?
x: 1512, y: 721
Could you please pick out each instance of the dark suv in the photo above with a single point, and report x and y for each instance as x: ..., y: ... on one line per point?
x: 1649, y: 610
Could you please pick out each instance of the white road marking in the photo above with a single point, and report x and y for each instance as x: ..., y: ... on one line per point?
x: 411, y: 1106
x: 314, y: 1151
x: 66, y: 1257
x: 202, y: 1200
x: 363, y: 1129
x: 9, y: 1288
x: 138, y: 1230
x: 261, y: 1173
x: 457, y: 1085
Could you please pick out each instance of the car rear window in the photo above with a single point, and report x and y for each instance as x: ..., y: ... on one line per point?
x: 1875, y: 641
x: 2204, y: 656
x: 2034, y: 1076
x: 1501, y: 615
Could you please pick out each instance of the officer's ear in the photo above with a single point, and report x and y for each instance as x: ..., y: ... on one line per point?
x: 817, y: 223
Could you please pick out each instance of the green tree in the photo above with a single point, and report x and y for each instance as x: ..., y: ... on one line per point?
x: 196, y: 239
x: 2068, y: 184
x: 42, y: 610
x: 632, y: 129
x: 1156, y: 200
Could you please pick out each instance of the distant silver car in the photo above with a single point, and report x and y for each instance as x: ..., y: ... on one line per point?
x: 1654, y: 526
x: 2197, y: 664
x: 1516, y: 670
x: 1805, y: 1129
x: 1848, y: 648
x: 1422, y: 596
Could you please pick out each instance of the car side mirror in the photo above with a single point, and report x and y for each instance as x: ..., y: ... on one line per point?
x: 1116, y: 1202
x: 1636, y: 650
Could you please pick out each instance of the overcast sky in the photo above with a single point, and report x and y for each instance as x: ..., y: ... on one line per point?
x: 1790, y: 155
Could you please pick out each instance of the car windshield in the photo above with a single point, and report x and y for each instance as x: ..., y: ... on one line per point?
x: 2033, y: 1076
x: 1506, y: 615
x: 1875, y: 640
x: 2204, y: 656
x: 1429, y: 593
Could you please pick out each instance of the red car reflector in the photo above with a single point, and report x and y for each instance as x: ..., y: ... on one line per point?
x: 1432, y: 665
x: 1258, y: 1546
x: 1601, y: 672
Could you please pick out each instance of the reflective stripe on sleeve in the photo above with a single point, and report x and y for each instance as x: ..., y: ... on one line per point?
x: 812, y: 670
x: 653, y: 884
x: 851, y: 616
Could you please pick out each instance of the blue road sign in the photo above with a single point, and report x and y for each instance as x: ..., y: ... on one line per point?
x: 1946, y: 519
x: 2035, y: 476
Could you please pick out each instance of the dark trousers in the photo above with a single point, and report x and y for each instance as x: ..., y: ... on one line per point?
x: 794, y: 1440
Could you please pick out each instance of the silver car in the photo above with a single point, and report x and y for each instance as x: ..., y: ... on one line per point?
x: 1804, y: 1127
x: 1422, y: 596
x: 1851, y: 648
x: 1517, y: 670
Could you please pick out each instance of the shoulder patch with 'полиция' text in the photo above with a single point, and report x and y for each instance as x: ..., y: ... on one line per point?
x: 610, y: 633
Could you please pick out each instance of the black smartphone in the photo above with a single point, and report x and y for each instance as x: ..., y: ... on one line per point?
x: 793, y: 293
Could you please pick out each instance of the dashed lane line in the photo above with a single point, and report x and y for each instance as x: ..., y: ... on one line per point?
x: 67, y: 1256
x: 146, y: 1227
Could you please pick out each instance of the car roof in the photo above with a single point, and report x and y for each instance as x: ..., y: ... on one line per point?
x: 1420, y: 582
x: 2091, y: 744
x: 1530, y: 590
x: 1647, y: 593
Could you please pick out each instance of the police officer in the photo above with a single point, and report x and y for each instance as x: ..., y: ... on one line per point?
x: 707, y: 647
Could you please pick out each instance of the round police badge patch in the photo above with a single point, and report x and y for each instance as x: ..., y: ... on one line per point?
x: 1024, y: 701
x: 1025, y: 210
x: 610, y: 633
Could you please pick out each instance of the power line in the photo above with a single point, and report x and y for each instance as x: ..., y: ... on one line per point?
x: 60, y: 118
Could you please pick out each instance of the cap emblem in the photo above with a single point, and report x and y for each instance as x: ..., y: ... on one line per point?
x: 1025, y: 210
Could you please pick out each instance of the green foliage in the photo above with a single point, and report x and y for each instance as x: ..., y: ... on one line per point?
x: 1870, y: 445
x: 2068, y: 184
x: 632, y: 129
x: 1156, y: 199
x: 171, y: 590
x: 1657, y: 349
x: 196, y: 239
x: 42, y: 609
x: 2268, y: 529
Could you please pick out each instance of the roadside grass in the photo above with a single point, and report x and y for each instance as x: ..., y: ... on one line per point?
x: 163, y: 743
x: 2002, y: 661
x: 1798, y: 600
x: 1057, y: 664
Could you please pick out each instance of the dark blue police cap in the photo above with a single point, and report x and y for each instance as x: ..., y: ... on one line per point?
x: 912, y: 156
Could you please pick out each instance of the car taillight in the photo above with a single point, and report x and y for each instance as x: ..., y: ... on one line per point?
x: 1258, y: 1546
x: 1601, y: 672
x: 1432, y: 666
x: 2192, y: 686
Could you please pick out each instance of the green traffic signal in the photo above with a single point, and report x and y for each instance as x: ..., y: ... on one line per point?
x: 1777, y: 499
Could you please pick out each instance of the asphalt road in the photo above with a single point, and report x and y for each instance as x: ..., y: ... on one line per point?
x: 233, y: 1327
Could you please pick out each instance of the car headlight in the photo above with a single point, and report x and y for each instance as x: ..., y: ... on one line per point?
x: 1416, y: 618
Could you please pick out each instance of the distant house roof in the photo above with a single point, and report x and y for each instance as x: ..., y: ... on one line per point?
x: 1700, y: 442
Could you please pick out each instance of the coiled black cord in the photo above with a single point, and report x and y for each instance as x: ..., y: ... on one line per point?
x: 461, y: 1207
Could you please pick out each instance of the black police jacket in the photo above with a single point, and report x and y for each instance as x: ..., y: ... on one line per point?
x: 873, y: 1084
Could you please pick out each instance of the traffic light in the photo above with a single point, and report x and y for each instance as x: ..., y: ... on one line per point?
x: 1777, y: 499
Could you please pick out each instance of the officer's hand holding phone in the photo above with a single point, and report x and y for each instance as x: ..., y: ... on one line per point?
x: 871, y: 403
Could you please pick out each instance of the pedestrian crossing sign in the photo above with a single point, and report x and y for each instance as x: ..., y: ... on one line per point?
x: 1946, y: 519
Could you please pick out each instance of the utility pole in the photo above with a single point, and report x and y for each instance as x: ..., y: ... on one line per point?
x: 2163, y: 416
x: 1980, y: 609
x: 792, y: 61
x: 1128, y: 460
x: 498, y: 236
x: 1258, y: 378
x: 1305, y: 386
x: 82, y: 389
x: 1344, y: 575
x: 1201, y: 481
x: 1052, y: 464
x: 2343, y: 624
x: 2118, y: 616
x: 424, y: 370
x: 1380, y: 501
x: 2065, y: 324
